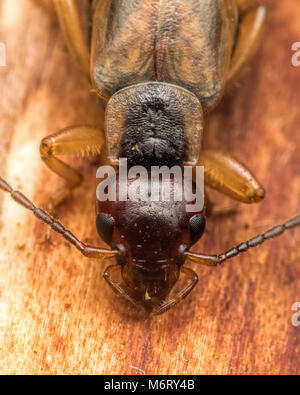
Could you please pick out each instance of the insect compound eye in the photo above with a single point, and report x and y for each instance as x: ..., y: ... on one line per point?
x: 105, y: 227
x: 197, y: 227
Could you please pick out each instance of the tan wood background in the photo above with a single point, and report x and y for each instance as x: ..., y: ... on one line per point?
x: 57, y: 314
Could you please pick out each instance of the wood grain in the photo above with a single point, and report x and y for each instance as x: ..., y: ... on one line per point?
x: 57, y: 313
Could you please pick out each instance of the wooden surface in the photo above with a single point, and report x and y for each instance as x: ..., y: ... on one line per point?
x: 57, y: 313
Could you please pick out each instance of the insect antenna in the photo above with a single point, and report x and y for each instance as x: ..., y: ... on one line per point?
x: 42, y: 215
x: 215, y: 260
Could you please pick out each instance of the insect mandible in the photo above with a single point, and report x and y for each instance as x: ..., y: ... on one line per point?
x: 159, y: 66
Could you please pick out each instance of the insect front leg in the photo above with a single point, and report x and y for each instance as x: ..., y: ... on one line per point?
x: 230, y: 177
x: 252, y: 24
x: 70, y: 141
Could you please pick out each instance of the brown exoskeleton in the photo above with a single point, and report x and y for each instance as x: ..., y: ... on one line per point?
x: 159, y: 66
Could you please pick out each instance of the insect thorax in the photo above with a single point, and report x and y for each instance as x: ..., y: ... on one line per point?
x: 154, y: 123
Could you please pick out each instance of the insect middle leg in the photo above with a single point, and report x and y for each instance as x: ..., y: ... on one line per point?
x: 252, y: 24
x: 70, y: 141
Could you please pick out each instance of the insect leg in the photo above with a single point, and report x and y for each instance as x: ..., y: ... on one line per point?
x: 68, y: 15
x: 70, y: 141
x: 229, y: 176
x: 252, y: 25
x: 86, y: 250
x: 215, y: 260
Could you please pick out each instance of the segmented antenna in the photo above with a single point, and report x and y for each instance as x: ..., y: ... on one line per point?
x: 88, y: 251
x: 260, y: 239
x: 215, y: 260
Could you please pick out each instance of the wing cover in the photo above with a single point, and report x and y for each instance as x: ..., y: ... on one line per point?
x: 184, y: 42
